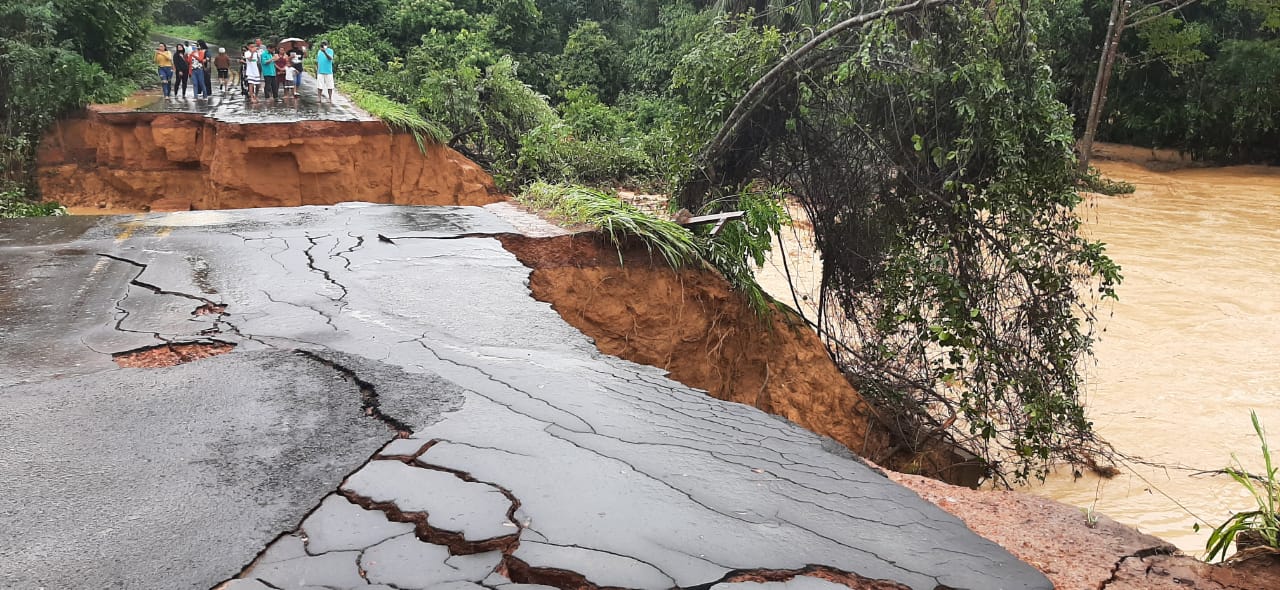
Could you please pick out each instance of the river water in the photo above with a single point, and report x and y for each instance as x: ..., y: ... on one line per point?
x: 1191, y: 347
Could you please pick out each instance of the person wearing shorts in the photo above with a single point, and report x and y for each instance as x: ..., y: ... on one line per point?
x: 324, y: 71
x: 222, y: 63
x: 252, y: 74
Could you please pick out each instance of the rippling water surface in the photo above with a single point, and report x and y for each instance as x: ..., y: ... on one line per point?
x: 1192, y: 345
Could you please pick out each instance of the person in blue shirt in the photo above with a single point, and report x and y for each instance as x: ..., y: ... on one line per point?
x: 267, y: 63
x: 324, y: 71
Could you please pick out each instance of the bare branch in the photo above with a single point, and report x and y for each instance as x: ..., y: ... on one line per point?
x: 1175, y: 8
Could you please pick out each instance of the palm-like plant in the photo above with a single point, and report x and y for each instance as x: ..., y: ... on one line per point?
x: 1261, y: 526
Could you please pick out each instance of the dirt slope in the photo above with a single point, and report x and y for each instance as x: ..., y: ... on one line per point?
x: 692, y: 324
x: 173, y: 162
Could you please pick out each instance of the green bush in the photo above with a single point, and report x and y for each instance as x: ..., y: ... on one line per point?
x: 1094, y: 181
x: 739, y: 249
x: 56, y: 57
x: 14, y: 202
x: 409, y: 20
x: 591, y: 60
x: 552, y: 152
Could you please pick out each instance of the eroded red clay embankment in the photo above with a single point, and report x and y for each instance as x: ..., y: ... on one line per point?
x: 692, y: 324
x: 177, y: 162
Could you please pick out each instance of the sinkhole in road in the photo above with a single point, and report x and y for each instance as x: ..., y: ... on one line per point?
x: 171, y: 354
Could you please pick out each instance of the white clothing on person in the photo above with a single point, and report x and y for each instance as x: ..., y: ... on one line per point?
x: 324, y: 81
x: 252, y: 74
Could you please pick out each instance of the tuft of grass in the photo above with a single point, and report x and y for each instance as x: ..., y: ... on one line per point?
x: 1261, y: 525
x: 396, y: 115
x: 620, y: 221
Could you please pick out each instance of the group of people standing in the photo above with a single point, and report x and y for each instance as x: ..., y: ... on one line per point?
x: 265, y: 72
x: 192, y: 63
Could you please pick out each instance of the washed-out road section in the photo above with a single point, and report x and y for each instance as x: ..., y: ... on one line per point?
x: 398, y: 413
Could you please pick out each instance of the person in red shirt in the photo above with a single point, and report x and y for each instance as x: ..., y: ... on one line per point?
x: 282, y: 62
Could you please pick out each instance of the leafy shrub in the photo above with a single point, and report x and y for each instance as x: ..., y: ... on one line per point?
x: 15, y: 203
x: 1095, y: 182
x: 56, y: 57
x: 583, y: 111
x: 741, y: 246
x: 552, y: 152
x: 409, y: 20
x: 591, y: 60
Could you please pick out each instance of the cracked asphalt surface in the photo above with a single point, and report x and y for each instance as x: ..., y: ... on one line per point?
x: 397, y: 414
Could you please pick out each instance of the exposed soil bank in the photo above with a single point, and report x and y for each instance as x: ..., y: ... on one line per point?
x: 692, y: 324
x: 178, y: 162
x: 1058, y: 540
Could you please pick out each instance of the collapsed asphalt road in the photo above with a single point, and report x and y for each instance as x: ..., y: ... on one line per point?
x: 396, y: 413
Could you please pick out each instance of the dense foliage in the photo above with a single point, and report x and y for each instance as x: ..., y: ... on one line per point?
x: 1204, y: 79
x: 934, y: 161
x: 56, y: 56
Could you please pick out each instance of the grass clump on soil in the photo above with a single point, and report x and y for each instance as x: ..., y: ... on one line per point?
x: 732, y: 251
x: 1260, y: 527
x: 580, y: 205
x: 396, y: 115
x: 1095, y: 182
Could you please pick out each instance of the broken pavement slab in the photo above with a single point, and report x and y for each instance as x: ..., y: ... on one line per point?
x: 550, y: 462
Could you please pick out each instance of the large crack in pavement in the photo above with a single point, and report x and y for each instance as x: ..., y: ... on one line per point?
x: 368, y: 393
x: 497, y: 445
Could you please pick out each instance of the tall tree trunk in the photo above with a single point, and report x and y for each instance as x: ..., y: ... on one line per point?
x: 1106, y: 64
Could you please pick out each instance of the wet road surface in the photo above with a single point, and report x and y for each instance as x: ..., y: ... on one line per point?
x: 232, y: 107
x: 397, y: 413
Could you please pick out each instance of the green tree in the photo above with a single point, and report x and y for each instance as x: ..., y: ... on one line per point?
x: 928, y: 147
x: 57, y: 56
x: 591, y: 60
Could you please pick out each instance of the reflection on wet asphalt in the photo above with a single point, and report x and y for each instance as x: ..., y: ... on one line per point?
x: 234, y: 108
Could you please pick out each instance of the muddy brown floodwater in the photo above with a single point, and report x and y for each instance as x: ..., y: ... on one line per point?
x: 1191, y: 347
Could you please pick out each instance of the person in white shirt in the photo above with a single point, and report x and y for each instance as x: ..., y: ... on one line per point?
x: 252, y: 72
